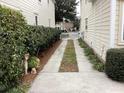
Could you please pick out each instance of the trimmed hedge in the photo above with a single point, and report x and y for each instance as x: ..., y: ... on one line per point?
x: 12, y: 48
x: 114, y: 66
x: 40, y: 38
x: 16, y: 39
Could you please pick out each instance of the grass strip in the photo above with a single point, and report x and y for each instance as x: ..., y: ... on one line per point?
x: 69, y: 62
x: 93, y: 58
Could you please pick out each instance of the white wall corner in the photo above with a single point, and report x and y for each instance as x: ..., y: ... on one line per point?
x: 112, y: 23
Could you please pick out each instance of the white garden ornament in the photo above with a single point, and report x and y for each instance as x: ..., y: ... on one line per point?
x: 26, y: 57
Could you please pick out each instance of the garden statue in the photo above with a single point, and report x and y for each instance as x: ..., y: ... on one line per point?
x: 33, y: 71
x: 26, y: 57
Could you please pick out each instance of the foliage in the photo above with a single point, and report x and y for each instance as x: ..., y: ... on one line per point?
x: 40, y: 38
x: 88, y: 51
x: 77, y: 23
x: 97, y: 64
x: 12, y: 48
x: 19, y: 89
x: 33, y: 62
x: 82, y: 43
x: 114, y: 66
x: 65, y: 9
x: 16, y: 39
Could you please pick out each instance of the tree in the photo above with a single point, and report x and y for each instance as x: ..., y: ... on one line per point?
x: 77, y: 23
x: 65, y: 9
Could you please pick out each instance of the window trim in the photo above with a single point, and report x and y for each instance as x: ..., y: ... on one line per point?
x: 36, y: 20
x: 122, y: 24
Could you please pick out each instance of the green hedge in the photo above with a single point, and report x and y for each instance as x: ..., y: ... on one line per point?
x: 40, y: 38
x: 12, y: 48
x: 16, y: 39
x: 114, y: 67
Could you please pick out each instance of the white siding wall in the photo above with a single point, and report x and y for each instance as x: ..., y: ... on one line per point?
x: 30, y: 8
x: 47, y: 12
x: 98, y: 33
x: 118, y: 42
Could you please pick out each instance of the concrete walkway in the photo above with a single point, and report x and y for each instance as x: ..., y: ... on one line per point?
x: 87, y: 80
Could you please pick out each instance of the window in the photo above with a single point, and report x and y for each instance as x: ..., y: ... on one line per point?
x: 36, y: 20
x: 86, y: 24
x: 122, y: 31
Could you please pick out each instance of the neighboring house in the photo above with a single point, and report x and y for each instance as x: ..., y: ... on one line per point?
x: 68, y: 26
x: 102, y: 22
x: 36, y: 12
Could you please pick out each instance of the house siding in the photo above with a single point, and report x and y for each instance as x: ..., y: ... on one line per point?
x: 32, y: 8
x: 98, y: 33
x: 118, y: 34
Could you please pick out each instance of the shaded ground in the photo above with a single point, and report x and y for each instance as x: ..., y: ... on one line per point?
x: 44, y: 57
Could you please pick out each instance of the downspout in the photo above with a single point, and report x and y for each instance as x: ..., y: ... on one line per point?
x: 112, y: 23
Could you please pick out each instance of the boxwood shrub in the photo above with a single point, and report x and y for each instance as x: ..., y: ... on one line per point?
x: 114, y: 67
x: 16, y: 39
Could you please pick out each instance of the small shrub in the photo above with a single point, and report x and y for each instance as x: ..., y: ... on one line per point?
x: 88, y: 51
x: 82, y: 43
x: 114, y: 66
x: 92, y: 57
x: 99, y: 66
x: 33, y: 62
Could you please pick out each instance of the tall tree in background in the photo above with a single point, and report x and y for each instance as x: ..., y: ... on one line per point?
x: 65, y: 9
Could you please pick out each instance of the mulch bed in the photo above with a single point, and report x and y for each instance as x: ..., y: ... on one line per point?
x: 44, y: 57
x: 69, y: 62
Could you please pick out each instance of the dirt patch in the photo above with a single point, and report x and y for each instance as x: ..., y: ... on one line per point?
x: 44, y: 57
x: 69, y: 62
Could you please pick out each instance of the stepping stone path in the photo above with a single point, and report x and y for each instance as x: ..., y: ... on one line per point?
x: 87, y: 80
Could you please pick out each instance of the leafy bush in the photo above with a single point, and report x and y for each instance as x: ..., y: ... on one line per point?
x: 114, y: 66
x: 88, y: 51
x: 82, y: 43
x: 99, y: 66
x: 16, y: 39
x: 12, y: 48
x: 40, y: 38
x: 33, y: 62
x: 19, y: 89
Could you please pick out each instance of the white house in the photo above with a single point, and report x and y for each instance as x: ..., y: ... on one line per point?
x: 102, y: 22
x: 36, y: 12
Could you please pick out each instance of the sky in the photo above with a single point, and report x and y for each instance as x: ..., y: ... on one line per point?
x: 78, y: 9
